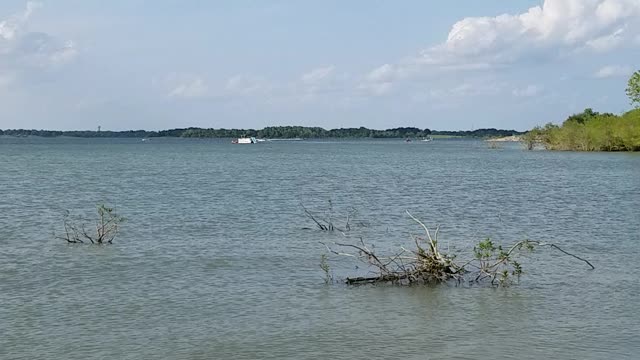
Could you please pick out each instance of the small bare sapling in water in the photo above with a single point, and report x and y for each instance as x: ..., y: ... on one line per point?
x: 99, y: 230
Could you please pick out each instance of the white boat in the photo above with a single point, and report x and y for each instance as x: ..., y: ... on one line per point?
x: 245, y: 140
x: 427, y: 139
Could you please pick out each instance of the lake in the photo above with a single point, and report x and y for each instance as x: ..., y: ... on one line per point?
x: 217, y: 261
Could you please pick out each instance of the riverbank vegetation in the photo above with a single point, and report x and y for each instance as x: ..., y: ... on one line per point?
x: 593, y: 131
x: 589, y: 131
x: 271, y: 132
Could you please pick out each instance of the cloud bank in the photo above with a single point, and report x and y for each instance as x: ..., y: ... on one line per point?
x: 555, y: 30
x: 23, y: 51
x: 613, y: 71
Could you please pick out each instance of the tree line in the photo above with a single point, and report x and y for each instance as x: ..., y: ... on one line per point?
x: 590, y: 131
x: 594, y: 131
x: 271, y: 132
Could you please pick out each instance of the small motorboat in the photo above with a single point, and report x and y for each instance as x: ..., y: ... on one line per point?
x: 245, y: 140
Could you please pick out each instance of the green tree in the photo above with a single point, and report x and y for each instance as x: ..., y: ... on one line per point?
x: 633, y: 89
x: 532, y: 137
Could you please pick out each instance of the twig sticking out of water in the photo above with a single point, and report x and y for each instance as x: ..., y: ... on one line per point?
x: 325, y: 221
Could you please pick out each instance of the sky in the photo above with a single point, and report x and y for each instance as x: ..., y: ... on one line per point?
x: 439, y: 64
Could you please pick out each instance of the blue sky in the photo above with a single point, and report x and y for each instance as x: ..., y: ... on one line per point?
x: 72, y: 64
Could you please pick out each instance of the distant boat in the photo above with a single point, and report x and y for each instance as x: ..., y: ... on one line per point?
x: 427, y: 139
x: 245, y: 140
x: 407, y: 140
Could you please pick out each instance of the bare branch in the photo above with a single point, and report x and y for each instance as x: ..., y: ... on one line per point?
x: 565, y: 252
x: 106, y: 227
x: 491, y: 263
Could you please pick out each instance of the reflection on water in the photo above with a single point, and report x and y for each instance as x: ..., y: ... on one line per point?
x: 214, y: 261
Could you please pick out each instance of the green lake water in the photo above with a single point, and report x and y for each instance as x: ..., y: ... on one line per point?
x: 217, y: 261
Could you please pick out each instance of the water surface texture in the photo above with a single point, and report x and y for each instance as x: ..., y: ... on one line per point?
x: 215, y: 261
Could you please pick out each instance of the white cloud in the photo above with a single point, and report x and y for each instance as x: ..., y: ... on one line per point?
x: 180, y: 85
x: 11, y: 27
x: 319, y: 84
x: 376, y: 88
x: 190, y: 88
x: 380, y: 80
x: 64, y: 54
x: 558, y: 27
x: 607, y: 42
x: 527, y: 91
x: 613, y: 71
x: 470, y: 88
x: 245, y: 85
x: 542, y: 30
x: 41, y: 50
x: 318, y: 75
x: 384, y: 73
x: 22, y: 50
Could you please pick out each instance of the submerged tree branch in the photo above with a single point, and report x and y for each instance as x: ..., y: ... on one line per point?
x: 490, y: 263
x: 106, y: 227
x: 567, y: 253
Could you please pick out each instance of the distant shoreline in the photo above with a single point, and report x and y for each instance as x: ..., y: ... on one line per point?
x: 511, y: 138
x: 273, y: 132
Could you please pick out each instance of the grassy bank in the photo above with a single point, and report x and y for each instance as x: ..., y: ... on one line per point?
x: 591, y: 131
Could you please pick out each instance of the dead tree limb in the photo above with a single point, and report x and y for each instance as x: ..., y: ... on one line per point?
x: 428, y: 265
x: 107, y: 226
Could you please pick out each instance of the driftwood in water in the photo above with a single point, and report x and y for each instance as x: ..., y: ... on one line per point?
x: 426, y: 264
